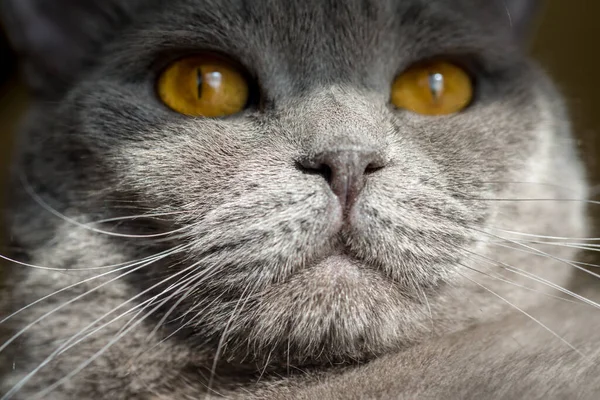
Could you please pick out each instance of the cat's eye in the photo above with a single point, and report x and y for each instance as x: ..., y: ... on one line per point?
x: 433, y: 88
x: 204, y: 86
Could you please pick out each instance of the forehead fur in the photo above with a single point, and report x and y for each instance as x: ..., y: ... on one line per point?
x: 290, y: 47
x: 297, y: 35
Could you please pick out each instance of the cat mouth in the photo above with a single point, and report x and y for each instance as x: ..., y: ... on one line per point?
x: 344, y: 259
x: 341, y: 260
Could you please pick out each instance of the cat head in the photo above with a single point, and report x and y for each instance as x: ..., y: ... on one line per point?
x: 323, y: 209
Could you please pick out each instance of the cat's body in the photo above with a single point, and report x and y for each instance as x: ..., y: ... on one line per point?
x: 424, y: 281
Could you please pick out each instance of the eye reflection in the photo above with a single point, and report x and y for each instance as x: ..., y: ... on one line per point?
x: 436, y: 85
x: 214, y: 79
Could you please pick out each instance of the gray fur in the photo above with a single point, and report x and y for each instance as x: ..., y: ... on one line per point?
x: 289, y: 296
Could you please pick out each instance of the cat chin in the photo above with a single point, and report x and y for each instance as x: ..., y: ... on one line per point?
x: 336, y: 309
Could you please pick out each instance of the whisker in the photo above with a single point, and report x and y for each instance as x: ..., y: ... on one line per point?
x: 24, y: 264
x: 287, y: 357
x: 183, y: 325
x: 171, y: 287
x: 532, y: 200
x: 541, y: 324
x: 122, y: 266
x: 225, y: 333
x: 539, y: 252
x: 543, y: 236
x: 428, y: 309
x: 577, y: 246
x: 131, y: 217
x: 580, y: 263
x: 517, y: 271
x: 63, y: 217
x: 150, y: 301
x: 505, y: 183
x: 262, y: 373
x: 84, y: 364
x: 194, y: 285
x: 79, y: 297
x: 509, y: 16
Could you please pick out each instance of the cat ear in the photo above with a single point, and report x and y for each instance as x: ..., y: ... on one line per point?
x: 521, y: 17
x: 54, y: 37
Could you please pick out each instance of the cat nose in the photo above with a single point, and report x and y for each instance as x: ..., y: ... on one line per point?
x: 345, y: 170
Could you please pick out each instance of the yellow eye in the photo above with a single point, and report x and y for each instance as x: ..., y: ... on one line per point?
x: 433, y: 88
x: 203, y: 86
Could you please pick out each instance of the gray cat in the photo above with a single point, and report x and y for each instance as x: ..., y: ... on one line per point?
x: 293, y: 199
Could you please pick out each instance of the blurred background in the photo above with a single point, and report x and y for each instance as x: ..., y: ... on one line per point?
x: 567, y: 44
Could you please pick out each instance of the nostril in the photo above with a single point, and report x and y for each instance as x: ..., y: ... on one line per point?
x: 315, y: 169
x: 372, y: 168
x: 345, y: 171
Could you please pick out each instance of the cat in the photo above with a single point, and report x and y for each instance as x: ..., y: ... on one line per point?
x: 293, y: 199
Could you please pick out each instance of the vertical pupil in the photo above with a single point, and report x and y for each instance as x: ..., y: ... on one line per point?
x: 436, y: 85
x: 199, y: 81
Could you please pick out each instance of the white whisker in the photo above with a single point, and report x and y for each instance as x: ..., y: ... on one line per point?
x: 63, y: 217
x: 141, y: 294
x: 123, y: 266
x: 79, y: 297
x: 69, y: 343
x: 185, y: 325
x: 543, y: 236
x: 531, y: 277
x: 194, y: 285
x: 24, y: 264
x: 533, y: 200
x: 84, y: 364
x: 540, y: 252
x: 223, y: 338
x: 527, y: 315
x: 428, y: 309
x: 508, y: 246
x: 133, y: 217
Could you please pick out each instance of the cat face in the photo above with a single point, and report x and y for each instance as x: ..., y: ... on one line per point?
x: 321, y: 216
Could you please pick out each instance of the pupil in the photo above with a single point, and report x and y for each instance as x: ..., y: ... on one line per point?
x: 199, y: 80
x: 436, y: 85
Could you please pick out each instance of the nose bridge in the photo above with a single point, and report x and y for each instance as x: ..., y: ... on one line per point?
x: 340, y: 119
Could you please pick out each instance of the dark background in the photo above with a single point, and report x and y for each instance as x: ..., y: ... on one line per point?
x: 567, y: 45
